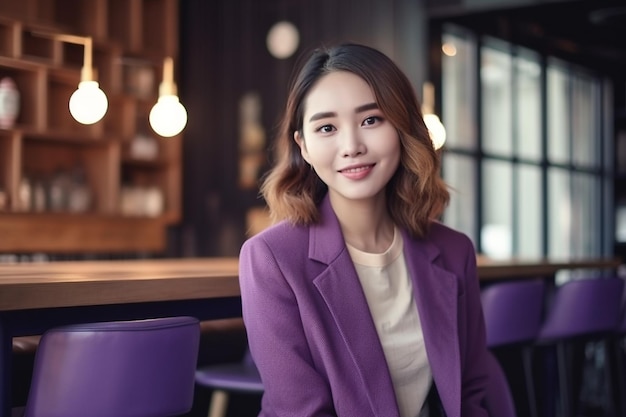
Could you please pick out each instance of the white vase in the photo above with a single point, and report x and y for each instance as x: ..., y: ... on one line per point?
x: 9, y: 103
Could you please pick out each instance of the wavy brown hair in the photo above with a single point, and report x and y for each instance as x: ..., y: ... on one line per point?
x: 416, y: 193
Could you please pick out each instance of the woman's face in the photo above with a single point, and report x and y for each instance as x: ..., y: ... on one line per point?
x: 351, y: 146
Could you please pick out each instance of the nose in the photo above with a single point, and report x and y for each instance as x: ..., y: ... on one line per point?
x: 352, y: 144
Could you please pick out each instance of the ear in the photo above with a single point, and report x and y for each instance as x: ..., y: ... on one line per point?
x: 300, y: 141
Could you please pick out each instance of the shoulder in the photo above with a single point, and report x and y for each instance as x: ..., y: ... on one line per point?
x: 275, y: 260
x: 453, y: 248
x: 280, y: 240
x: 446, y: 237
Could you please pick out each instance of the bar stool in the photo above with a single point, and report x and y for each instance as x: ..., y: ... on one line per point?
x: 582, y: 310
x: 241, y: 377
x: 138, y: 368
x: 513, y: 313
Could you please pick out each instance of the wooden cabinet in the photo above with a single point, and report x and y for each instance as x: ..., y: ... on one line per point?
x: 113, y: 186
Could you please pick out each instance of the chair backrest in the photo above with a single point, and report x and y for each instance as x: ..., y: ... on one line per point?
x: 138, y: 368
x: 499, y: 399
x: 513, y: 311
x: 584, y: 307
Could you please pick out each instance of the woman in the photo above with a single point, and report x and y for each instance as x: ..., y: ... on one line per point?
x: 357, y: 302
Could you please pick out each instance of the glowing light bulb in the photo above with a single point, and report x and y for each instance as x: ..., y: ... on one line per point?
x: 88, y: 104
x: 168, y: 116
x: 283, y: 39
x: 436, y: 130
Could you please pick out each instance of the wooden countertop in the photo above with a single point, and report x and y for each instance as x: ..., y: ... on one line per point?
x: 82, y: 283
x: 61, y: 284
x: 489, y: 269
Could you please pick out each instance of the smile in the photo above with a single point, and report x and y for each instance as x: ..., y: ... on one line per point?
x: 357, y: 172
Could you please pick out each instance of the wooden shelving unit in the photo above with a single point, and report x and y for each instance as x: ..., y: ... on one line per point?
x: 131, y: 39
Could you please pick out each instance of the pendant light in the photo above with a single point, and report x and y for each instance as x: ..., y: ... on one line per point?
x: 168, y: 117
x: 283, y: 39
x: 88, y: 104
x: 435, y: 128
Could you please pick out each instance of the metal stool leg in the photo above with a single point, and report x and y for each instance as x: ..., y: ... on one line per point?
x: 564, y: 380
x: 620, y: 371
x: 219, y: 404
x: 609, y: 367
x: 527, y: 356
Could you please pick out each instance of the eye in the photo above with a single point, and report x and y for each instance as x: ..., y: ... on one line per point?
x: 371, y: 120
x: 325, y: 129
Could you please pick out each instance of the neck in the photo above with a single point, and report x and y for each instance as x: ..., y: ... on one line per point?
x: 366, y: 225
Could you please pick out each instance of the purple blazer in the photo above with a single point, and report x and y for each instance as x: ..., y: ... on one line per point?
x: 312, y: 336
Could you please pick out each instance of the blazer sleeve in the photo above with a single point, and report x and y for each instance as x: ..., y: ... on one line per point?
x: 276, y: 336
x: 474, y: 372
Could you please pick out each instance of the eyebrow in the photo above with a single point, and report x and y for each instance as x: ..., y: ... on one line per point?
x: 359, y: 109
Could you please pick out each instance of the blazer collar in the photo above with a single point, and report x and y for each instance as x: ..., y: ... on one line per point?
x: 435, y: 290
x: 325, y: 238
x: 339, y: 286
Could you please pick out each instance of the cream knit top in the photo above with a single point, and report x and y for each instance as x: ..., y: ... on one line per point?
x: 389, y: 293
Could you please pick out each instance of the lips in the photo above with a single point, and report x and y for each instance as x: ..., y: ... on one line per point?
x: 357, y: 171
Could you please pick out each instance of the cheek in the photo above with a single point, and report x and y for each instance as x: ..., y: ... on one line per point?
x: 387, y: 143
x: 393, y: 152
x: 397, y: 148
x: 319, y: 152
x: 395, y: 141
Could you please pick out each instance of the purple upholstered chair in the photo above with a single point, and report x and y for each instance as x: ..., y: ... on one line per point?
x: 140, y: 368
x: 513, y: 312
x: 499, y: 399
x: 582, y: 310
x: 241, y: 377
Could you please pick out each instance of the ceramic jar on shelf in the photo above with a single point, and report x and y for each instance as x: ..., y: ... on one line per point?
x: 9, y: 103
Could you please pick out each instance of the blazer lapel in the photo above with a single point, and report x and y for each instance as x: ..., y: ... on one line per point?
x: 341, y: 290
x: 436, y: 292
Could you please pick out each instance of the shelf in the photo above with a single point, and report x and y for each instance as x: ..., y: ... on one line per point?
x: 74, y: 137
x: 45, y: 160
x: 158, y: 27
x: 8, y: 171
x: 35, y: 48
x: 145, y: 164
x: 88, y: 233
x: 114, y: 202
x: 30, y: 80
x: 121, y: 116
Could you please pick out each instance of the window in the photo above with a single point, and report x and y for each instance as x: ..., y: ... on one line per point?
x: 459, y: 116
x: 524, y: 154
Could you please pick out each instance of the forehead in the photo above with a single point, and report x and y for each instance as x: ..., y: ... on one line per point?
x: 338, y: 90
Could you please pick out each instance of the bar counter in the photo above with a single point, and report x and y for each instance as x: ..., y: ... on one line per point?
x: 85, y: 283
x: 37, y: 296
x: 490, y: 270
